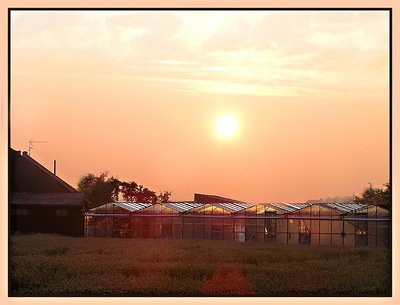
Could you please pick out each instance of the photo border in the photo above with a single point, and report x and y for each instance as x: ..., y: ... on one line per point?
x: 192, y: 7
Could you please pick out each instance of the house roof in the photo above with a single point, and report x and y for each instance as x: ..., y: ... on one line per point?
x: 204, y: 198
x: 59, y: 199
x: 29, y: 176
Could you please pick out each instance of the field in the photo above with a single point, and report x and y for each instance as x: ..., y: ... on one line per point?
x: 51, y: 265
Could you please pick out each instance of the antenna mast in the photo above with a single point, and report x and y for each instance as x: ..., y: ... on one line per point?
x: 30, y: 145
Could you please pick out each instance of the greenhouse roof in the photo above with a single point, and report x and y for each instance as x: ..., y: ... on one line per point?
x: 287, y: 207
x: 182, y: 206
x: 344, y: 208
x: 131, y: 206
x: 232, y: 207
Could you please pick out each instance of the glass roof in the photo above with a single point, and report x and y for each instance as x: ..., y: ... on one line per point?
x: 346, y: 207
x: 287, y: 207
x: 182, y: 206
x: 131, y: 206
x: 232, y: 207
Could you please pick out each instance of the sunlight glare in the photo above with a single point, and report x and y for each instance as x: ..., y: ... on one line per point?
x: 226, y: 126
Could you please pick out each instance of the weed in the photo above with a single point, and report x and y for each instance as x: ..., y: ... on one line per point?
x: 56, y: 251
x: 49, y: 265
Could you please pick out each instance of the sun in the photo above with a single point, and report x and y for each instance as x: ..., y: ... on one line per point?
x: 226, y: 126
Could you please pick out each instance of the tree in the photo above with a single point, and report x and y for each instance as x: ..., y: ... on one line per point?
x: 376, y: 196
x: 129, y: 190
x: 145, y: 195
x: 99, y: 190
x: 164, y: 196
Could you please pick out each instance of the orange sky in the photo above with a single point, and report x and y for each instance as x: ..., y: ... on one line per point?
x: 137, y: 93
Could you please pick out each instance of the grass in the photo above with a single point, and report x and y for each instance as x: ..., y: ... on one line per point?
x: 51, y: 265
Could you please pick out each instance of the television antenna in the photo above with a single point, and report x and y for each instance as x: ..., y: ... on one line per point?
x: 30, y: 145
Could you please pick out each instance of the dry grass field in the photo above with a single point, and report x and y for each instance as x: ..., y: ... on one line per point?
x: 51, y: 265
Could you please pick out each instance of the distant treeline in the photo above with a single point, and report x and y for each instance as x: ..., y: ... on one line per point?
x: 371, y: 196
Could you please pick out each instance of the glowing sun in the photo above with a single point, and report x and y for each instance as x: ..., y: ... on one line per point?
x: 226, y: 126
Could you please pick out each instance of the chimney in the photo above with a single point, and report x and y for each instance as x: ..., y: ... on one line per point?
x: 54, y: 167
x: 24, y: 153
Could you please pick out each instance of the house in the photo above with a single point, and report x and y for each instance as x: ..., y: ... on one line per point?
x: 40, y: 201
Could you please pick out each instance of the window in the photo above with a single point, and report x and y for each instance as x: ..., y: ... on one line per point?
x: 19, y: 212
x: 62, y: 212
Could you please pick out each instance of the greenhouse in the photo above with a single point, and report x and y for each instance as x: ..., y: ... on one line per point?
x: 336, y: 224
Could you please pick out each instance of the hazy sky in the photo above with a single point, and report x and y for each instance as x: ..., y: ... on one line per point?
x: 138, y: 93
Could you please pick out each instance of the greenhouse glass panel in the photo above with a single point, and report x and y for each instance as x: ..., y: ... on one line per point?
x: 327, y: 212
x: 281, y: 238
x: 337, y: 226
x: 349, y: 240
x: 315, y: 210
x: 100, y: 227
x: 228, y: 229
x: 382, y: 212
x: 177, y: 228
x: 325, y: 226
x: 166, y: 227
x: 315, y: 226
x: 187, y: 228
x: 198, y: 228
x: 90, y: 226
x: 304, y: 232
x: 270, y: 227
x: 382, y: 233
x: 293, y: 238
x: 337, y: 239
x: 349, y: 227
x: 120, y: 226
x: 293, y: 225
x: 217, y: 229
x: 306, y: 211
x: 208, y: 224
x: 260, y: 225
x: 251, y: 229
x: 372, y: 240
x: 281, y: 226
x: 137, y: 223
x: 325, y: 239
x: 315, y: 239
x: 240, y: 229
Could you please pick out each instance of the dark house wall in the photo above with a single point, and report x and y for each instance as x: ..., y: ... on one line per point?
x: 47, y: 219
x: 38, y: 211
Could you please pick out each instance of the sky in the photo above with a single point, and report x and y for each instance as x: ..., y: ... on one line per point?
x: 138, y: 93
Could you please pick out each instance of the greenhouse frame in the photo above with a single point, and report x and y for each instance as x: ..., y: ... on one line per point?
x: 338, y: 224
